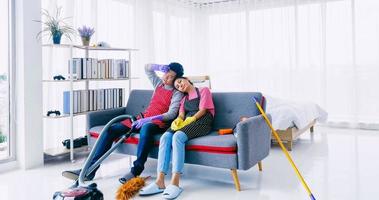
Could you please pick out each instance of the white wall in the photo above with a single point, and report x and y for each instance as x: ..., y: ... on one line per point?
x: 29, y: 151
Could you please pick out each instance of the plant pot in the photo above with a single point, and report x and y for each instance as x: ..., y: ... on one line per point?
x: 3, y: 146
x: 85, y: 41
x: 57, y: 38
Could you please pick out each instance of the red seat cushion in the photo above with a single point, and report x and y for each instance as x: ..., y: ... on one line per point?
x: 212, y: 143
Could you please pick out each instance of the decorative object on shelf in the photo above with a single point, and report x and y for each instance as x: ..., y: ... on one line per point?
x: 56, y: 112
x: 55, y: 26
x: 59, y: 77
x: 103, y: 44
x: 86, y: 33
x: 78, y: 142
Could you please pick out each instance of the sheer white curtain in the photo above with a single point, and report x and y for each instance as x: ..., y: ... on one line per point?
x: 367, y: 60
x: 320, y: 51
x: 313, y: 50
x: 178, y: 30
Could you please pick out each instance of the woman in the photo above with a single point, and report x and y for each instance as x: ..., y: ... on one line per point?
x: 195, y: 118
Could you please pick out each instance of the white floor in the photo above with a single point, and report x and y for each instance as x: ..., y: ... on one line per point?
x: 336, y: 164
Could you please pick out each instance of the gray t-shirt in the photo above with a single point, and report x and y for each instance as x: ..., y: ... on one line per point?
x: 173, y: 110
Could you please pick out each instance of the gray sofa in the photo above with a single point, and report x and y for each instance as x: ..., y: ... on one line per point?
x: 248, y: 146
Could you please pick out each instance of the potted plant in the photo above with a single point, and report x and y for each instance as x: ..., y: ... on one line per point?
x: 55, y: 26
x: 3, y: 142
x: 3, y: 138
x: 86, y: 33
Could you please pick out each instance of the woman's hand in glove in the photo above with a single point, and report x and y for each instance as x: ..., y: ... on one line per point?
x: 188, y: 120
x: 177, y: 124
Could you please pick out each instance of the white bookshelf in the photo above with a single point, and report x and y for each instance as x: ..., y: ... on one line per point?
x: 90, y: 48
x: 128, y: 51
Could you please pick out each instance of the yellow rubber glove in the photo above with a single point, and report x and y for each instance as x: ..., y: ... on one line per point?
x: 187, y: 121
x: 177, y: 124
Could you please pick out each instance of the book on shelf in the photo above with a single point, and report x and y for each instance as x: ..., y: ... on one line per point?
x: 95, y: 100
x: 66, y: 100
x: 100, y: 104
x: 91, y: 68
x: 92, y: 100
x: 76, y: 99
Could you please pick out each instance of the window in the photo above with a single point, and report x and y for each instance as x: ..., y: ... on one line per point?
x: 4, y: 81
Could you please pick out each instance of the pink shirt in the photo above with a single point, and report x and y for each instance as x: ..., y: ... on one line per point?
x: 206, y: 101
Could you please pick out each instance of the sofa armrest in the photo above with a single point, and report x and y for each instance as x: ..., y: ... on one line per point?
x: 102, y: 117
x: 253, y: 141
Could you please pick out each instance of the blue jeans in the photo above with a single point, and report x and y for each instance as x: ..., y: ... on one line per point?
x: 145, y: 144
x: 172, y: 143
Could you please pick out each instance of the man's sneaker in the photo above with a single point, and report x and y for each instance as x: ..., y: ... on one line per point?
x: 126, y: 177
x: 74, y: 175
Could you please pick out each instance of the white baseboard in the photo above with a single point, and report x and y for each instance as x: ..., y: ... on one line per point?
x: 8, y: 166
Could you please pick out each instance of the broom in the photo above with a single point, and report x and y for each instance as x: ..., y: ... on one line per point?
x: 130, y: 188
x: 284, y: 150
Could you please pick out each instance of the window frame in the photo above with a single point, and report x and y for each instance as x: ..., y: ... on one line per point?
x: 11, y: 85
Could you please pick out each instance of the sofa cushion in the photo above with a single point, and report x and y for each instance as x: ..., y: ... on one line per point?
x: 212, y: 143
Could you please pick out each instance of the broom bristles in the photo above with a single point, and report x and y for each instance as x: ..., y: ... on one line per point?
x: 130, y: 188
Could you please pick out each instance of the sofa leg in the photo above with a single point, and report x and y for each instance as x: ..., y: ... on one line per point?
x: 235, y: 178
x: 260, y: 165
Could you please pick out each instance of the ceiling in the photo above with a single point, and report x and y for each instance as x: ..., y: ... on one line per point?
x: 201, y: 3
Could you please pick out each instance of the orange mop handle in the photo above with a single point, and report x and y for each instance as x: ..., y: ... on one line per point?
x: 285, y: 150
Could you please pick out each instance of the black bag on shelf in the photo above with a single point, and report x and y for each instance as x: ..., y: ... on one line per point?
x: 78, y: 142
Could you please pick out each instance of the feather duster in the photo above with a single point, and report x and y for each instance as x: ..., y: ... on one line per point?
x: 130, y: 188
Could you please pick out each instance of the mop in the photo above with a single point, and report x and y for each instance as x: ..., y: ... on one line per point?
x: 285, y: 150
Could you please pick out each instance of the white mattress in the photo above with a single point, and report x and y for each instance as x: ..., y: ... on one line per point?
x: 287, y: 113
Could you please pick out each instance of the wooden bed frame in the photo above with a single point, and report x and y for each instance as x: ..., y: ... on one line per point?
x: 290, y: 135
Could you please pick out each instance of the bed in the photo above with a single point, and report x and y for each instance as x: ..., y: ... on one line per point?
x: 291, y: 119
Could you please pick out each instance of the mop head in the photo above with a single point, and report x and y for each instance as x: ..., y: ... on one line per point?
x: 130, y: 188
